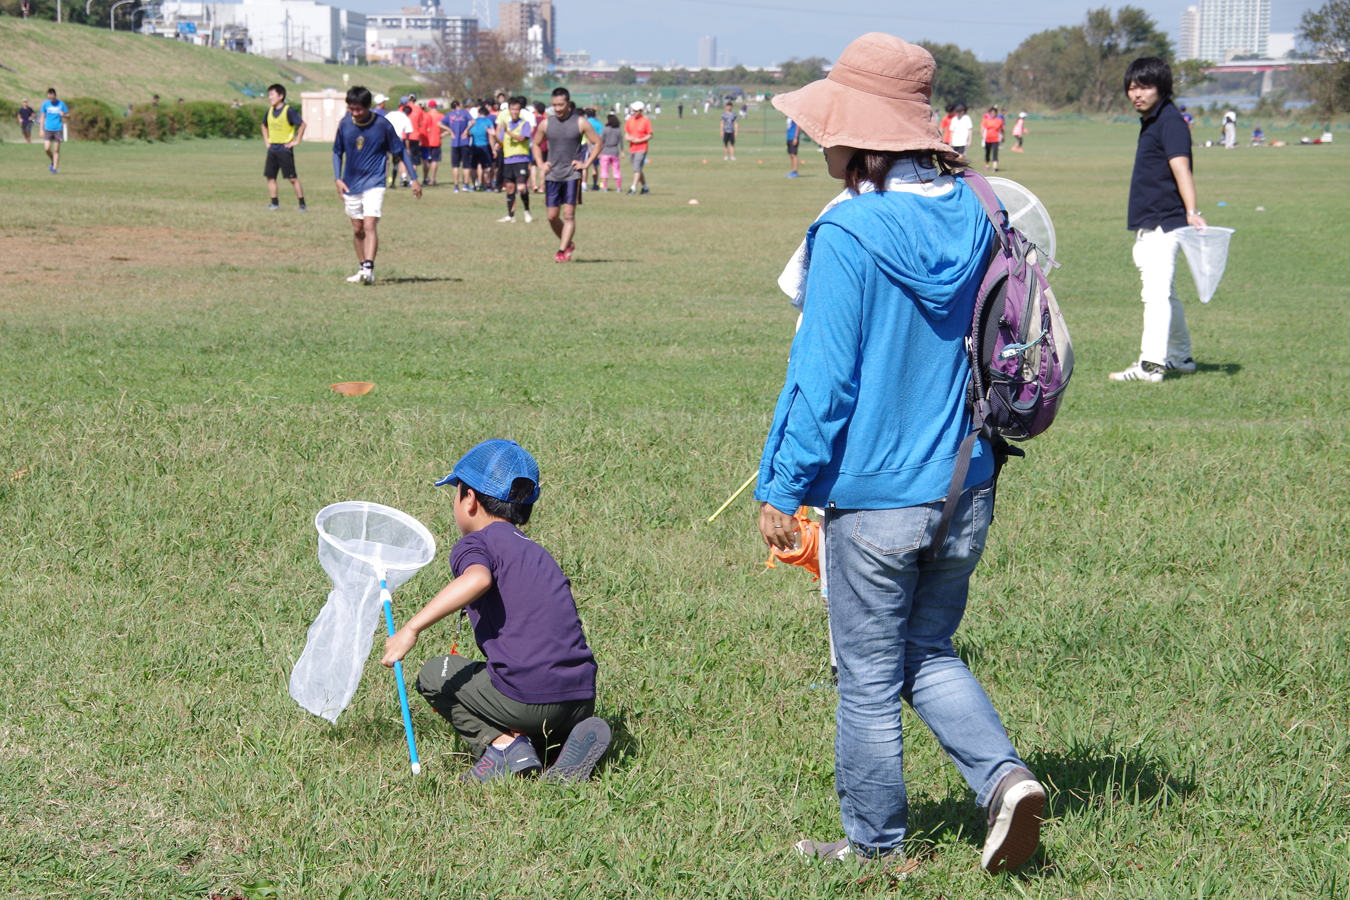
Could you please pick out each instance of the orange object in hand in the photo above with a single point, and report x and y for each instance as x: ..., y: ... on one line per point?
x: 807, y: 552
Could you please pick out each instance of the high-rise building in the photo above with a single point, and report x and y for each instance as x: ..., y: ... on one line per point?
x: 1231, y: 28
x: 417, y: 29
x: 515, y: 19
x: 1189, y: 45
x: 707, y: 52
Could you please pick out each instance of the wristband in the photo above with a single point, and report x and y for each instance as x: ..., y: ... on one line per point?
x: 1192, y: 212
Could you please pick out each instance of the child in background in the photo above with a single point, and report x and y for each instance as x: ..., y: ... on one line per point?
x: 1020, y: 131
x: 538, y: 684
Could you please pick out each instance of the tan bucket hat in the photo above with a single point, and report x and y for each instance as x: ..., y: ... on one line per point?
x: 876, y: 97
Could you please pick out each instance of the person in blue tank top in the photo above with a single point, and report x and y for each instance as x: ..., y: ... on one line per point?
x: 868, y: 427
x: 361, y: 151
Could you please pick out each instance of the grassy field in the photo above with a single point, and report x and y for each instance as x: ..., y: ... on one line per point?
x: 121, y: 67
x: 1161, y: 618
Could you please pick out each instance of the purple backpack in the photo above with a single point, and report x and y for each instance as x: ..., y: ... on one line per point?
x: 1020, y: 354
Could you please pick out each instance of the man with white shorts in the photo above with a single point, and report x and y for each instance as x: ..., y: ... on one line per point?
x: 364, y: 142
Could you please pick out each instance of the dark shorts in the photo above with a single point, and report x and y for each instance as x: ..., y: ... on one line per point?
x: 562, y: 193
x: 459, y: 157
x: 481, y: 156
x: 728, y: 139
x: 57, y: 136
x: 27, y: 128
x: 792, y: 148
x: 279, y: 159
x: 516, y: 171
x: 431, y: 154
x: 414, y: 150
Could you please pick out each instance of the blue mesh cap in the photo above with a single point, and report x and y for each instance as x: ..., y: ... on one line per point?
x: 490, y: 468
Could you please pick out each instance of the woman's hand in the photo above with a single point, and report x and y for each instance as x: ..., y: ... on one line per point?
x: 777, y: 528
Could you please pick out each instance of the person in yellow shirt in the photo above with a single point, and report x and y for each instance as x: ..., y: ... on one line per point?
x: 514, y: 135
x: 282, y: 129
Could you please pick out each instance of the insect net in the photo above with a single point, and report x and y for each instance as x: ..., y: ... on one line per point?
x: 358, y: 544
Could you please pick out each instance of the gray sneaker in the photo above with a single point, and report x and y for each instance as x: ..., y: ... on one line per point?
x: 1014, y: 821
x: 826, y: 852
x: 1185, y: 366
x: 521, y: 758
x: 490, y: 766
x: 581, y: 751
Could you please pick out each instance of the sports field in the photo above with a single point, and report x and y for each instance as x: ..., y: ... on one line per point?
x: 1162, y: 616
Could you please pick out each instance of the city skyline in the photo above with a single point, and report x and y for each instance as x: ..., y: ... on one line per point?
x: 766, y: 32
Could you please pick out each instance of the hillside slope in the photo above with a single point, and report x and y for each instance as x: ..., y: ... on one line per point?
x: 122, y: 67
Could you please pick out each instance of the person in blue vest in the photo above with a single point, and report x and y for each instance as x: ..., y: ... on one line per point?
x: 361, y: 152
x: 282, y: 130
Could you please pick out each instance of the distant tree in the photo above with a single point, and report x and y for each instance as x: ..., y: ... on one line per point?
x: 959, y: 77
x: 799, y: 72
x: 1082, y: 66
x: 1190, y: 74
x: 668, y: 77
x: 625, y: 75
x: 479, y: 70
x: 1326, y: 33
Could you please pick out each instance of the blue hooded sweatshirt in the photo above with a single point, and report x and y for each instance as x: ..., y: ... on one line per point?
x: 873, y: 411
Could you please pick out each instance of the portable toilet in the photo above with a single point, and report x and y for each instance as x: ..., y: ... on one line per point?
x: 322, y: 111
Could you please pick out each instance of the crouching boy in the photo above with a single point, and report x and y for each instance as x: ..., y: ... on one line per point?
x: 538, y: 684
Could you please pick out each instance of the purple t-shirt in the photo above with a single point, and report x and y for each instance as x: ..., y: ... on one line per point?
x: 457, y: 120
x: 526, y: 624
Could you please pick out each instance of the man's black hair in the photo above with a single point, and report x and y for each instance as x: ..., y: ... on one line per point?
x: 278, y: 88
x: 359, y: 96
x: 562, y: 92
x: 1150, y: 71
x: 454, y: 104
x: 51, y: 90
x: 516, y: 512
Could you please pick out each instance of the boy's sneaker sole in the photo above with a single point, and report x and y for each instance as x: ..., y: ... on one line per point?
x: 582, y: 750
x: 1015, y: 830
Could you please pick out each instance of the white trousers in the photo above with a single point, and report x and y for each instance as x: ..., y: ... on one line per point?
x: 1165, y: 335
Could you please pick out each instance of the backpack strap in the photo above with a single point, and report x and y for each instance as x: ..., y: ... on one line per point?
x: 998, y: 216
x: 954, y: 493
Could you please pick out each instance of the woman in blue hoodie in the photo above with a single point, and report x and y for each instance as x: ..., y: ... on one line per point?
x: 868, y: 427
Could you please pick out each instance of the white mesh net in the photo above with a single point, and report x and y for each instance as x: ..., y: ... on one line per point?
x: 356, y: 541
x: 1207, y: 255
x: 1027, y: 213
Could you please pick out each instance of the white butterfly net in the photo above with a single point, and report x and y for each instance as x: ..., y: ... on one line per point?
x: 358, y: 542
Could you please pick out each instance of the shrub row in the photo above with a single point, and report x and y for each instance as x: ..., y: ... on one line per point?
x: 95, y: 120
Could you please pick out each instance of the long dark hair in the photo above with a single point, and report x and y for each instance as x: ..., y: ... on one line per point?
x: 871, y: 166
x: 612, y: 121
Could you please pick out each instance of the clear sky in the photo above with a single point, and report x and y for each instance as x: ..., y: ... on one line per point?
x: 762, y: 32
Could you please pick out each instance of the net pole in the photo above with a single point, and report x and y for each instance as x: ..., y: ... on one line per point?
x: 388, y: 602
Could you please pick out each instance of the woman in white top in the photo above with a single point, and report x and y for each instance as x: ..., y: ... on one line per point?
x: 961, y: 129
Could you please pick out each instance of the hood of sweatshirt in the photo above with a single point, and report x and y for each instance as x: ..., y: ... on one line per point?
x: 935, y: 246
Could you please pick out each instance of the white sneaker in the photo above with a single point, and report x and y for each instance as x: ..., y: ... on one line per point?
x: 1014, y: 822
x: 1140, y: 371
x: 528, y: 218
x: 507, y: 220
x: 358, y: 277
x: 1185, y: 366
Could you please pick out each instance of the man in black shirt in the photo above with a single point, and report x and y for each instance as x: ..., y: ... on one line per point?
x: 1162, y: 199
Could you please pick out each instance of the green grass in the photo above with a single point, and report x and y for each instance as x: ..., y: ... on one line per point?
x: 1161, y: 617
x: 121, y: 67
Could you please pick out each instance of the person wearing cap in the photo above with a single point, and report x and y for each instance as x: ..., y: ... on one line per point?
x: 868, y: 427
x: 378, y: 109
x: 537, y: 685
x: 638, y: 131
x: 1020, y: 131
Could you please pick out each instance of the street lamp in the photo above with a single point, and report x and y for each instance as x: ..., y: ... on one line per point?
x: 112, y: 12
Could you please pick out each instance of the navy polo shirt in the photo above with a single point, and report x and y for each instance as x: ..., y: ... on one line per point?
x: 1154, y: 198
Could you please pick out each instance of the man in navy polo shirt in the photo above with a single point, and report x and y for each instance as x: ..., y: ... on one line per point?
x: 1162, y: 199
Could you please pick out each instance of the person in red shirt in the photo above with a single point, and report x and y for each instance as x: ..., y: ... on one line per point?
x: 431, y: 143
x: 638, y: 130
x: 415, y: 115
x: 992, y: 129
x: 945, y: 126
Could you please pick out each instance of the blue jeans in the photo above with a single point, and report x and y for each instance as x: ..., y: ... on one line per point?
x: 892, y: 617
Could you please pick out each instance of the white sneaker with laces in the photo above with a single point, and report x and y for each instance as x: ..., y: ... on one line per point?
x: 1185, y: 366
x: 358, y: 277
x: 1140, y: 371
x: 507, y: 220
x: 528, y: 218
